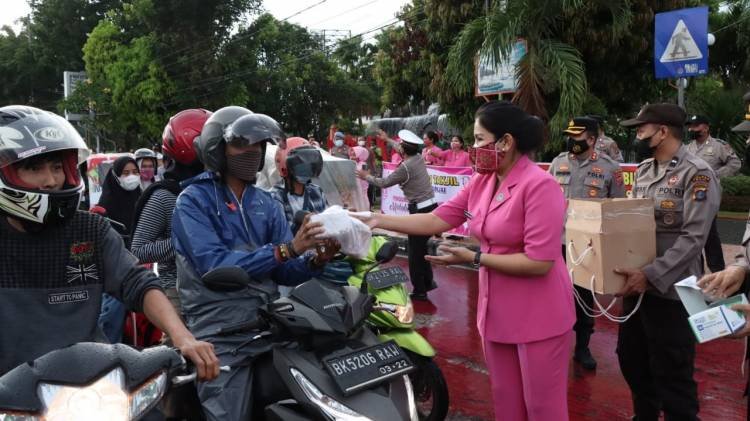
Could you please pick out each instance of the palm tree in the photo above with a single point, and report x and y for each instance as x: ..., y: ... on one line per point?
x: 552, y: 72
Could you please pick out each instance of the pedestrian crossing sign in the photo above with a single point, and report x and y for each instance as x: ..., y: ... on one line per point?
x: 681, y: 43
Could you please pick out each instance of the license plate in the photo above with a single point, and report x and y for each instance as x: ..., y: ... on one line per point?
x: 367, y: 367
x: 386, y: 277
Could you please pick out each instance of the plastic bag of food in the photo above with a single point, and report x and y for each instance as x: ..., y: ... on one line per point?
x: 353, y: 234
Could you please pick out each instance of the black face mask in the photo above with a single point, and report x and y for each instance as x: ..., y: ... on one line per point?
x: 577, y: 147
x: 245, y: 165
x: 695, y: 135
x: 643, y: 149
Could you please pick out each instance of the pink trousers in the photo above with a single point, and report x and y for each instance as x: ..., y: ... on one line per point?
x: 530, y: 380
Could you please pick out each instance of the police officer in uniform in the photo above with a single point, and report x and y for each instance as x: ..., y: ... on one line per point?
x: 411, y: 175
x: 656, y: 347
x: 725, y: 163
x: 605, y: 144
x: 745, y: 126
x: 583, y: 172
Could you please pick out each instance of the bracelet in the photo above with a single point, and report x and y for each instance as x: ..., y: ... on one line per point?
x: 292, y: 252
x: 283, y: 252
x: 477, y: 259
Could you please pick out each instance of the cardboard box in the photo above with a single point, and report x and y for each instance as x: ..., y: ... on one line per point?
x: 710, y: 321
x: 621, y: 234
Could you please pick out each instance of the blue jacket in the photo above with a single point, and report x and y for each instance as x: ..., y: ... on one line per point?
x: 211, y: 229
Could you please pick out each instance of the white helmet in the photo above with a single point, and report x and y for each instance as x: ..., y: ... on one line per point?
x: 27, y: 133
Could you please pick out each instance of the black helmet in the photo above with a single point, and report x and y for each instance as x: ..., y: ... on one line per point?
x: 210, y: 144
x: 254, y: 128
x: 27, y: 133
x: 304, y: 163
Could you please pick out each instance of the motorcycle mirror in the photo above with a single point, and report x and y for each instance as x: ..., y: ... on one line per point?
x: 226, y: 279
x: 387, y: 252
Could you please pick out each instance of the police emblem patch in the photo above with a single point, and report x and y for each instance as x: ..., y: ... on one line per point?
x: 668, y: 218
x: 593, y: 192
x: 667, y: 204
x: 699, y: 193
x: 673, y: 180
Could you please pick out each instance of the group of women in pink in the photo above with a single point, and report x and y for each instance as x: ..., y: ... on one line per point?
x: 525, y: 311
x: 456, y: 156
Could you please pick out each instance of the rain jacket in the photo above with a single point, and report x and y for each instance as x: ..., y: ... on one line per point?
x: 211, y: 228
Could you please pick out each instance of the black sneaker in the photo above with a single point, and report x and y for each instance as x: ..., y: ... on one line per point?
x: 583, y: 356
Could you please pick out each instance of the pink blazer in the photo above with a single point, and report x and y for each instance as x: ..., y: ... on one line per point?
x: 525, y: 216
x: 453, y: 159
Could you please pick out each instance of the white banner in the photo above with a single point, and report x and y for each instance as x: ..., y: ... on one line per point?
x: 446, y: 183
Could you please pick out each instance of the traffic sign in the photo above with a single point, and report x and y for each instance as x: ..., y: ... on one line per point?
x: 681, y: 43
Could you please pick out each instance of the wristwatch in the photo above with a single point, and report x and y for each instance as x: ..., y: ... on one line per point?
x: 477, y: 258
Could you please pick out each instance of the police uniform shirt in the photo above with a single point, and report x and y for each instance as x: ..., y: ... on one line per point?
x: 597, y: 177
x: 718, y: 154
x: 742, y: 258
x: 686, y: 198
x: 411, y: 175
x: 607, y: 146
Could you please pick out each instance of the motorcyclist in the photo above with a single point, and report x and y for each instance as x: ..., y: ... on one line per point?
x: 152, y: 222
x: 56, y: 261
x: 222, y: 219
x: 147, y: 165
x: 298, y: 164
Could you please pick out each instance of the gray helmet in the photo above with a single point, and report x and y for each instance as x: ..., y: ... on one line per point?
x: 144, y: 153
x: 210, y: 144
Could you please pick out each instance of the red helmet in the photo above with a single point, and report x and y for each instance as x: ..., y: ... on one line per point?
x: 291, y: 143
x: 179, y: 133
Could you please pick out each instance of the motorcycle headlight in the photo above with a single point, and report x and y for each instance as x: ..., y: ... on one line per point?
x: 334, y: 409
x: 147, y: 395
x: 7, y: 416
x: 106, y: 398
x: 405, y: 314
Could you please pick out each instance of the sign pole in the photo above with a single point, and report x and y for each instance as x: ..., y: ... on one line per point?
x: 682, y: 83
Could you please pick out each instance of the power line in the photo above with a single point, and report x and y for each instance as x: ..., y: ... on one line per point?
x: 208, y: 41
x: 210, y: 50
x: 233, y: 75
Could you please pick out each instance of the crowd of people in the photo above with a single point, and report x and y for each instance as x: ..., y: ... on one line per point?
x: 203, y: 210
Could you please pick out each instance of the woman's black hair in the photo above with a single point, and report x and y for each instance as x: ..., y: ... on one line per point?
x: 433, y: 136
x: 501, y: 117
x: 460, y: 138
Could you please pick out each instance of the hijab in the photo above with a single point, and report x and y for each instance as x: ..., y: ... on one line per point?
x: 119, y: 203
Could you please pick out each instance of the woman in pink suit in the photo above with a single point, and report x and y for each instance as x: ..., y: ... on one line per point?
x: 456, y: 156
x: 525, y: 310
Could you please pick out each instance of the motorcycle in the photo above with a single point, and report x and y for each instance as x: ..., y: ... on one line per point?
x: 324, y: 364
x: 394, y: 321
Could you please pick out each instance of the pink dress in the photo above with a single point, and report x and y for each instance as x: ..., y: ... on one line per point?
x: 525, y: 322
x: 456, y: 158
x: 430, y: 159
